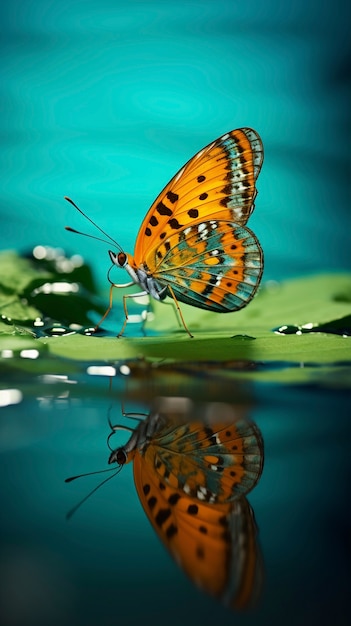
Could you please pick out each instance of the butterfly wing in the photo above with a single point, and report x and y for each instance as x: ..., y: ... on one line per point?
x: 217, y: 183
x: 213, y: 463
x: 213, y: 265
x: 214, y: 544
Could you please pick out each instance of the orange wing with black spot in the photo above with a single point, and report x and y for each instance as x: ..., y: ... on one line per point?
x: 217, y: 183
x: 194, y: 240
x: 191, y: 480
x: 215, y: 544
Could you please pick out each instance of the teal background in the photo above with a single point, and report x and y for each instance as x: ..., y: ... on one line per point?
x: 105, y: 100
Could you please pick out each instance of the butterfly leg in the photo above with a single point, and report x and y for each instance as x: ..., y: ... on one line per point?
x: 149, y: 309
x: 131, y: 295
x: 139, y: 417
x: 113, y: 286
x: 179, y: 311
x: 144, y: 317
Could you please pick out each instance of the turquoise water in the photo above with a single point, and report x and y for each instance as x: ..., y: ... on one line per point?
x: 104, y: 101
x: 106, y: 564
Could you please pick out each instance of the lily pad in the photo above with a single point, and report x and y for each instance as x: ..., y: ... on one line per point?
x: 315, y: 310
x: 247, y: 334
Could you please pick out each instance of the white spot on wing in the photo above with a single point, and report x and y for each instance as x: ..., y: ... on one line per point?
x: 203, y: 231
x: 200, y: 495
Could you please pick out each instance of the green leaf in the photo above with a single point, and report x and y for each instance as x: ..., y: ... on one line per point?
x: 17, y: 274
x: 53, y: 288
x: 309, y: 300
x: 247, y: 334
x: 313, y: 311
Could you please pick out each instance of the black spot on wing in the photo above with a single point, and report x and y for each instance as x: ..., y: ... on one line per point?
x: 210, y: 286
x: 226, y: 536
x: 193, y: 213
x: 210, y: 435
x: 227, y: 190
x: 171, y: 531
x: 162, y: 209
x: 200, y: 553
x: 172, y: 197
x: 162, y: 516
x: 173, y: 499
x: 174, y: 223
x: 152, y: 502
x: 193, y: 509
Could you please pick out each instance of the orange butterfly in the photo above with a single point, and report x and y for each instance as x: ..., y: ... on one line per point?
x: 193, y: 244
x: 191, y: 477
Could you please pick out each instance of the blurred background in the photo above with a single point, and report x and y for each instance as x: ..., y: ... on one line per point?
x: 104, y: 101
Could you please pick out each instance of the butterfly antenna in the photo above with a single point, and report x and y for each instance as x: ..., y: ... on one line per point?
x: 68, y: 480
x: 77, y: 506
x: 77, y: 232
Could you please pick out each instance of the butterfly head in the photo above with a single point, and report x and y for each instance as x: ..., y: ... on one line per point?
x: 121, y: 456
x: 120, y: 259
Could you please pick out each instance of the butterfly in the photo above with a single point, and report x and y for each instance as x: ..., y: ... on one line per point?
x: 191, y: 476
x: 193, y: 244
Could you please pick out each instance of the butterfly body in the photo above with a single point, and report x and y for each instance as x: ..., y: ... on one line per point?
x: 191, y: 476
x: 139, y: 275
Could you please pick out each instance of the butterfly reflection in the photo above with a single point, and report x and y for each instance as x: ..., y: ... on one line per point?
x: 193, y: 466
